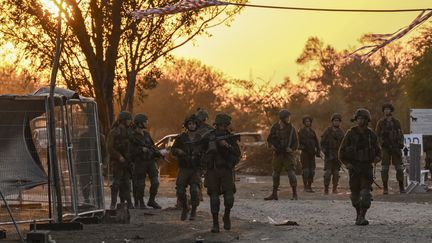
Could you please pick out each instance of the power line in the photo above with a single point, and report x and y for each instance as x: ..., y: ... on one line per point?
x: 330, y: 9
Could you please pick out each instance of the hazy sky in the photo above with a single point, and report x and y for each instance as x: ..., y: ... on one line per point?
x: 265, y: 43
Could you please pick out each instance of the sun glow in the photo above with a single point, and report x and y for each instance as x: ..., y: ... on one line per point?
x: 51, y: 6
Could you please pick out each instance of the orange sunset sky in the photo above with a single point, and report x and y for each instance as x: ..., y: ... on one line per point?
x: 264, y: 43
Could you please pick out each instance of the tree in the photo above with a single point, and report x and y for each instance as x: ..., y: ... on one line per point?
x: 94, y: 34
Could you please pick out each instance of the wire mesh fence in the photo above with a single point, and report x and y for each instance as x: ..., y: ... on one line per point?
x: 25, y: 171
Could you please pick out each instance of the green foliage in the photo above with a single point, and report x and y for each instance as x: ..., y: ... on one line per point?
x: 418, y: 81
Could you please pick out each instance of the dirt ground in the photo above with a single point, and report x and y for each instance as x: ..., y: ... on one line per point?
x: 321, y: 218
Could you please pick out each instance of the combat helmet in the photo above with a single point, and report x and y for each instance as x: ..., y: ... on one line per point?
x: 284, y: 113
x: 363, y: 113
x: 124, y: 115
x: 388, y: 105
x: 336, y: 116
x: 222, y: 119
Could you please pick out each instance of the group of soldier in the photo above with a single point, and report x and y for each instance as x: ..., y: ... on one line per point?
x: 359, y: 149
x: 201, y: 149
x: 212, y: 152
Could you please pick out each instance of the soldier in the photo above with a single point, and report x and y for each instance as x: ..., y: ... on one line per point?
x: 358, y: 151
x: 222, y: 154
x: 144, y: 156
x: 188, y: 154
x: 391, y: 138
x: 309, y: 147
x: 330, y: 142
x: 283, y: 140
x: 118, y: 149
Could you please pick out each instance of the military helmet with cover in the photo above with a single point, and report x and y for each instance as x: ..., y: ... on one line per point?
x: 124, y: 115
x: 388, y: 105
x: 140, y: 118
x: 307, y: 117
x: 190, y: 118
x: 283, y: 114
x: 336, y: 116
x: 222, y: 119
x: 362, y: 112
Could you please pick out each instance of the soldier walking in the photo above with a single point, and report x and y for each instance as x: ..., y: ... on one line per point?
x: 358, y: 151
x: 309, y: 147
x: 391, y: 138
x: 222, y: 154
x: 330, y: 143
x: 188, y: 153
x: 283, y: 140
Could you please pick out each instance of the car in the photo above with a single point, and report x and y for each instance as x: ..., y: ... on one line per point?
x: 248, y: 142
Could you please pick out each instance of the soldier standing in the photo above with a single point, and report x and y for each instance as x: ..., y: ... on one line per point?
x: 222, y: 154
x: 330, y: 142
x: 144, y: 157
x: 118, y: 149
x: 188, y: 153
x: 391, y: 138
x: 283, y: 140
x: 358, y: 151
x: 309, y: 147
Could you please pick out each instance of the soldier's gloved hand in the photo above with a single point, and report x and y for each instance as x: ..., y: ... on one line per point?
x: 288, y: 150
x: 146, y: 150
x: 349, y: 166
x: 122, y: 159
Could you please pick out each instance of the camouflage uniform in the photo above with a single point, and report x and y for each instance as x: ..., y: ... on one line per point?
x: 309, y: 147
x: 391, y: 138
x: 358, y: 151
x: 330, y: 143
x: 282, y: 137
x: 188, y: 152
x: 118, y: 149
x: 144, y: 164
x: 219, y: 164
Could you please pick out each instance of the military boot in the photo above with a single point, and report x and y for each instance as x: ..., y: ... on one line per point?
x: 401, y: 187
x: 385, y: 186
x: 326, y: 189
x: 152, y: 203
x: 361, y: 220
x: 142, y: 204
x: 226, y: 219
x: 185, y: 210
x: 215, y: 228
x: 335, y: 190
x: 294, y: 191
x: 310, y: 187
x: 193, y: 213
x: 273, y: 196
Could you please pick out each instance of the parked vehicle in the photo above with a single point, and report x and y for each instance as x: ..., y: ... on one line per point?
x: 248, y: 142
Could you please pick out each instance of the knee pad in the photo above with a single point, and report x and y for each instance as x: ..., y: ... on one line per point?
x: 228, y: 199
x: 365, y: 198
